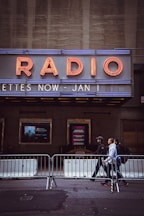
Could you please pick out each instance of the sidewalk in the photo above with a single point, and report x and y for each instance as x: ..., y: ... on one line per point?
x: 70, y: 198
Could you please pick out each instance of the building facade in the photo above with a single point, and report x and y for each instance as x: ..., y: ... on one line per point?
x: 72, y: 28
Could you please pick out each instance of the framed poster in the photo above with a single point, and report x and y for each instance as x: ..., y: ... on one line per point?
x: 35, y: 131
x: 1, y: 134
x: 78, y: 132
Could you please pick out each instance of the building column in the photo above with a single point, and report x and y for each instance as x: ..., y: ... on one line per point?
x: 12, y: 23
x: 130, y: 24
x: 31, y: 21
x: 85, y: 25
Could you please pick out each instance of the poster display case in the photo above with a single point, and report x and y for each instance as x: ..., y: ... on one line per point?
x: 78, y: 132
x: 35, y: 131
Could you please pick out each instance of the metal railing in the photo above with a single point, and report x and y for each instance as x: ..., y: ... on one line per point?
x: 25, y: 166
x: 72, y: 166
x: 78, y: 166
x: 132, y: 168
x: 128, y: 167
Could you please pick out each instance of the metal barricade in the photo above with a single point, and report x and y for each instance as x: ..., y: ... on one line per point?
x: 25, y: 166
x: 71, y: 166
x: 131, y: 167
x: 78, y: 166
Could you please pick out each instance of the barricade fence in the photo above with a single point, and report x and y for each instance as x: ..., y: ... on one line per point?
x: 72, y: 166
x: 25, y: 166
x: 79, y: 166
x: 128, y: 167
x: 131, y: 167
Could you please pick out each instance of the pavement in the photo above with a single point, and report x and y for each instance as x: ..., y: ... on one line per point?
x: 78, y: 197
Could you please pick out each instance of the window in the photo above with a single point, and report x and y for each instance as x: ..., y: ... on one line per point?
x: 133, y: 135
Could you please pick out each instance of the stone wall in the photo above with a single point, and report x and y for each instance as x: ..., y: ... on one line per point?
x: 72, y: 24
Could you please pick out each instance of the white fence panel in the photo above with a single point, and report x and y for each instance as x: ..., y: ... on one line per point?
x: 18, y: 167
x: 81, y: 168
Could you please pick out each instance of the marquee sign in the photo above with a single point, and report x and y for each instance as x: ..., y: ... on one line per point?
x: 66, y: 73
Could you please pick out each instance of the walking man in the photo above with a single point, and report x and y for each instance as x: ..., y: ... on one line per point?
x: 110, y: 162
x: 101, y: 150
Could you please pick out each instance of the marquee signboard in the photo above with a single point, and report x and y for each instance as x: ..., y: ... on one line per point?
x: 65, y: 73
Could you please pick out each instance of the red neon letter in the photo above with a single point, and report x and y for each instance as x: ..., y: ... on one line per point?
x: 49, y: 67
x: 119, y: 64
x: 93, y: 67
x: 23, y: 64
x: 69, y: 67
